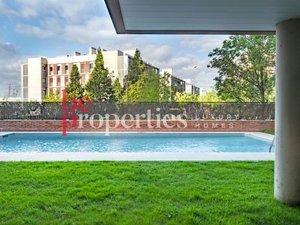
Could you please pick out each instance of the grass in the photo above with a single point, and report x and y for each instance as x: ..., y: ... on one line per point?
x: 268, y: 131
x: 141, y: 193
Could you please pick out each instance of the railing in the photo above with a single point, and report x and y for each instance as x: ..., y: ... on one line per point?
x: 191, y: 111
x: 272, y: 144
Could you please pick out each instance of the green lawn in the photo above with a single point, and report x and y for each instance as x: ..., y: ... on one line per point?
x: 141, y: 193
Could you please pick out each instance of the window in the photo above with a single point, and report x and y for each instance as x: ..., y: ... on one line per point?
x: 51, y: 82
x: 58, y: 70
x: 91, y: 66
x: 51, y: 70
x: 25, y: 69
x: 66, y: 81
x: 44, y: 67
x: 58, y: 81
x: 25, y: 92
x: 25, y: 81
x: 82, y: 68
x: 66, y: 68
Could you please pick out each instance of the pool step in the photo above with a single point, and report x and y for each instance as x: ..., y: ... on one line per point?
x: 5, y: 134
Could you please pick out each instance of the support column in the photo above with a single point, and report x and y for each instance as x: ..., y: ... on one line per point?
x: 287, y: 130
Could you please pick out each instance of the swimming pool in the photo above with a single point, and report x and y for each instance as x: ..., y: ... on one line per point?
x: 134, y: 142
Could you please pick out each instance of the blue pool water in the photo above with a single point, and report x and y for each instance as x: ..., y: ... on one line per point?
x: 132, y: 142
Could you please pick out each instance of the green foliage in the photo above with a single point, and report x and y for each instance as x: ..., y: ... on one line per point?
x: 166, y: 91
x: 271, y: 96
x: 118, y: 90
x: 210, y: 96
x: 268, y: 131
x: 52, y: 97
x: 186, y: 98
x: 246, y: 68
x: 135, y: 70
x: 122, y: 193
x: 149, y: 88
x: 99, y: 86
x: 74, y: 88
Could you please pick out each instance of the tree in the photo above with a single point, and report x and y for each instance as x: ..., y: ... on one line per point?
x: 99, y: 86
x: 118, y: 91
x: 246, y: 68
x: 52, y: 97
x: 210, y: 96
x: 166, y: 90
x: 74, y: 88
x: 135, y: 70
x: 149, y: 88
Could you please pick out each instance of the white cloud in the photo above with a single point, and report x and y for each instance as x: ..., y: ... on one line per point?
x: 186, y: 66
x: 83, y: 21
x: 6, y: 10
x: 10, y: 62
x: 204, y: 43
x: 87, y: 22
x: 69, y: 10
x: 33, y: 31
x: 191, y: 67
x: 156, y: 54
x: 92, y: 30
x: 28, y: 12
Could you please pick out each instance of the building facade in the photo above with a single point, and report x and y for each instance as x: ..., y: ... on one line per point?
x: 190, y: 88
x: 41, y: 76
x: 178, y: 84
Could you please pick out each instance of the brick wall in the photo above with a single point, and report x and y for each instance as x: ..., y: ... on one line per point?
x: 191, y: 125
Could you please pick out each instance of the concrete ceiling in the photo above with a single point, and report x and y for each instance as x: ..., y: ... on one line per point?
x: 200, y: 16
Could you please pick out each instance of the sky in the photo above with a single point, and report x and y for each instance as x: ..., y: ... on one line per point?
x: 33, y: 28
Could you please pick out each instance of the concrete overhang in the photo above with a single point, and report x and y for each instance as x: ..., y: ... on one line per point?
x: 200, y: 16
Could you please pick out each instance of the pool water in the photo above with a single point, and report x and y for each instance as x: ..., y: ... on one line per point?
x: 132, y: 142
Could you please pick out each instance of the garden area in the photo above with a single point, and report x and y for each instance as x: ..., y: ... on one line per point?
x: 141, y: 193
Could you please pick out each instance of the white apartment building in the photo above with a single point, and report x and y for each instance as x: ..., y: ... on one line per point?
x: 191, y: 89
x: 177, y: 84
x: 41, y: 76
x: 180, y: 85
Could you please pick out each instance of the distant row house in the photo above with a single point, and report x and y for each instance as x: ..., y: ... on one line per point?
x: 180, y: 85
x: 41, y: 76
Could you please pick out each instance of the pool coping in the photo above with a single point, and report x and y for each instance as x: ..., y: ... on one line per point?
x: 143, y: 156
